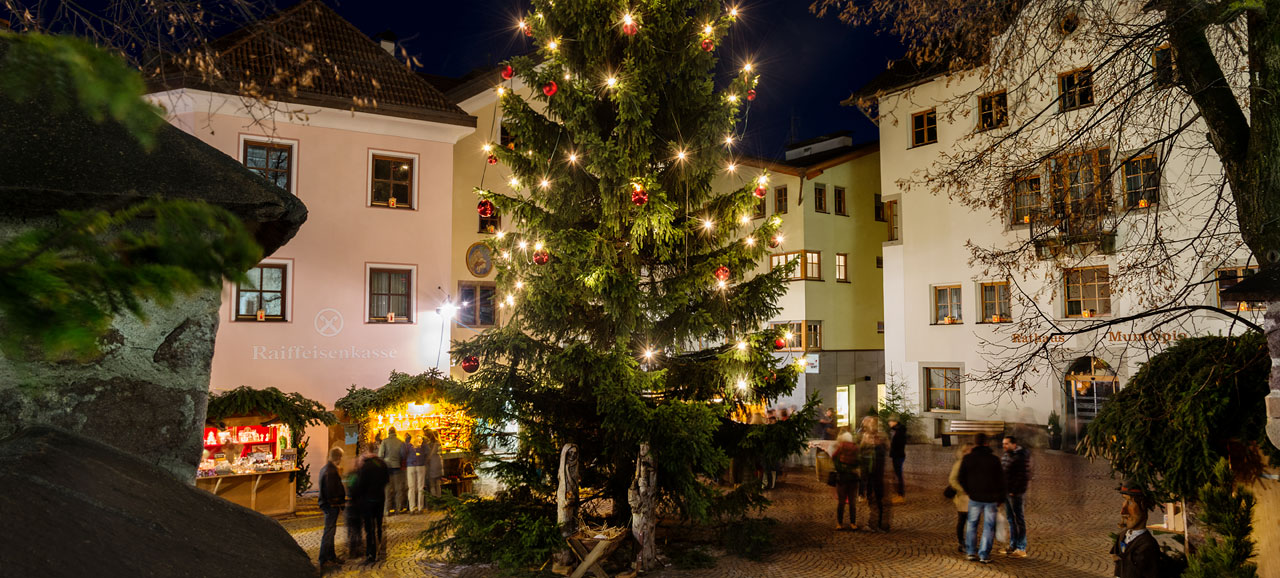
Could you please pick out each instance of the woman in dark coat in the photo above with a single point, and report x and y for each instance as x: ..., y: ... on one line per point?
x: 846, y: 462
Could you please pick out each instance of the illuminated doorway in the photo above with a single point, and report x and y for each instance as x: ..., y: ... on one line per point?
x: 1090, y: 382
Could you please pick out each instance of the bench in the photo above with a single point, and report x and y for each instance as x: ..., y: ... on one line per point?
x: 964, y: 427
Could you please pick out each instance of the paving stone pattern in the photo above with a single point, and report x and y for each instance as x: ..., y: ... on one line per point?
x: 1071, y: 507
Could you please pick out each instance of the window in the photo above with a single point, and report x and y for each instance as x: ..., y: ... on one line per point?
x: 924, y: 127
x: 879, y: 327
x: 809, y: 268
x: 800, y: 335
x: 819, y: 197
x: 837, y: 194
x: 1163, y: 74
x: 390, y: 295
x: 476, y: 304
x: 946, y: 305
x: 842, y: 267
x: 261, y: 297
x: 995, y: 302
x: 760, y: 209
x: 1068, y: 23
x: 879, y: 208
x: 793, y: 333
x: 813, y: 335
x: 1075, y: 89
x: 943, y: 384
x: 490, y: 224
x: 272, y: 161
x: 891, y: 216
x: 780, y: 201
x: 1141, y: 182
x: 1080, y: 189
x: 879, y: 262
x: 812, y: 265
x: 1026, y: 199
x: 1228, y: 277
x: 993, y: 110
x: 392, y: 182
x: 1088, y: 292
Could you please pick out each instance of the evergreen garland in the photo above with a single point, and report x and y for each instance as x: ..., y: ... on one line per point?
x: 1187, y: 408
x: 361, y: 403
x: 292, y: 409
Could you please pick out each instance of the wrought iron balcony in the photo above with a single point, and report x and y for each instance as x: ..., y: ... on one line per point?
x: 1056, y: 231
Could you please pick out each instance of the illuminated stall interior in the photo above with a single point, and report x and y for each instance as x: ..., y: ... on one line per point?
x: 452, y: 427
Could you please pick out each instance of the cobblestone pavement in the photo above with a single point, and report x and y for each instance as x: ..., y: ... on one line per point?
x: 1071, y: 507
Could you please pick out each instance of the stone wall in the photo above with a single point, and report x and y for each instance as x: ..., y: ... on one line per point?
x: 145, y: 394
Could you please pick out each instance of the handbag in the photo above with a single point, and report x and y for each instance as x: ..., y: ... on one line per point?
x: 949, y: 492
x: 833, y: 478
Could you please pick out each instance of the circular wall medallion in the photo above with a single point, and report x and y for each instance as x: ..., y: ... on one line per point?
x: 328, y: 322
x: 479, y: 260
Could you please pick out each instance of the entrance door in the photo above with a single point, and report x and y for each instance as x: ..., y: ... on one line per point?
x: 1090, y: 382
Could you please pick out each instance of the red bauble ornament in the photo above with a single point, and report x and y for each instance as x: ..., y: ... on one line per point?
x: 550, y: 88
x: 630, y: 28
x: 528, y: 30
x: 541, y: 257
x: 708, y: 44
x: 639, y: 196
x: 760, y: 191
x: 722, y: 273
x: 485, y: 208
x: 751, y: 94
x: 773, y: 242
x: 493, y: 160
x: 508, y: 72
x: 470, y: 364
x: 779, y: 343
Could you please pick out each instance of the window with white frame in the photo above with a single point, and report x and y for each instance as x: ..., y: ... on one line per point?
x: 842, y: 267
x: 393, y: 180
x: 946, y: 305
x: 264, y: 294
x: 1088, y: 291
x: 390, y: 294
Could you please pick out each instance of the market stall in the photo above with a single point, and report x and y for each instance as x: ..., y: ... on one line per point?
x: 253, y: 448
x: 411, y: 404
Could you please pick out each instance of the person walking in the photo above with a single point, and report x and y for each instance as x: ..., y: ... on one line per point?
x: 415, y: 466
x: 873, y: 450
x: 391, y: 451
x: 846, y: 462
x: 333, y: 497
x: 368, y: 494
x: 959, y: 499
x: 898, y: 453
x: 1016, y: 463
x: 434, y: 463
x: 983, y: 480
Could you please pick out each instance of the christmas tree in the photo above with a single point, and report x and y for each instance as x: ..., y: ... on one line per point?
x: 635, y: 317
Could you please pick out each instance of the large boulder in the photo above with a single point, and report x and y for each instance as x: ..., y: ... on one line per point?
x: 75, y: 507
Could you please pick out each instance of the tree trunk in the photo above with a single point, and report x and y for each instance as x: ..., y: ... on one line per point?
x: 567, y: 504
x: 643, y: 499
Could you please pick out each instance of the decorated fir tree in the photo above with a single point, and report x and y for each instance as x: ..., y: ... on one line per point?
x: 634, y: 314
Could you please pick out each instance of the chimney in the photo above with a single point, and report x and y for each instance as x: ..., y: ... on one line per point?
x: 387, y: 39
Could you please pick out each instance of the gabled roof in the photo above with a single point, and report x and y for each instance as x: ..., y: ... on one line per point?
x: 310, y: 55
x: 813, y: 165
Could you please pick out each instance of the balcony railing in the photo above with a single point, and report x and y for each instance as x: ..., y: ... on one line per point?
x: 1056, y: 231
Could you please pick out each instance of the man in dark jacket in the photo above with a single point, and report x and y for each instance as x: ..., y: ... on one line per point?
x: 983, y: 481
x: 898, y: 453
x: 369, y: 494
x: 333, y: 496
x: 1136, y: 553
x: 1016, y: 463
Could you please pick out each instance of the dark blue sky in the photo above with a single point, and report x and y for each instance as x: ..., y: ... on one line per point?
x: 807, y: 65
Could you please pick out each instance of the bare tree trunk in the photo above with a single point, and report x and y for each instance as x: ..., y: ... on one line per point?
x: 567, y: 505
x: 643, y: 498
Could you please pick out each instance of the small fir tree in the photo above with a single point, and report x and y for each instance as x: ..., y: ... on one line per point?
x: 632, y: 312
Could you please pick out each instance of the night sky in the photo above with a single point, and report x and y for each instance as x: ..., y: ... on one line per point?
x: 807, y: 65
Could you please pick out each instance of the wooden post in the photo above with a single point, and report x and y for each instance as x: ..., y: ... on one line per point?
x: 643, y: 499
x: 567, y: 505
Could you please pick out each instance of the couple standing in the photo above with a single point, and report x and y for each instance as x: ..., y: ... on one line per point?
x: 415, y: 466
x: 987, y: 482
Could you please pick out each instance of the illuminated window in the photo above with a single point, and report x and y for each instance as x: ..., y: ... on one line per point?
x: 1026, y: 199
x: 809, y: 267
x: 924, y: 128
x: 995, y: 302
x: 1075, y: 89
x: 1080, y: 190
x: 1228, y: 277
x: 1141, y: 182
x: 1088, y: 291
x: 813, y: 335
x: 476, y: 304
x: 796, y: 329
x: 943, y: 386
x: 946, y: 305
x: 842, y: 267
x: 261, y: 297
x: 391, y: 182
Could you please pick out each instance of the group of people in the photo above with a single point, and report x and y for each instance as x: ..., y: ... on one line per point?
x: 859, y: 469
x: 391, y: 478
x: 980, y: 483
